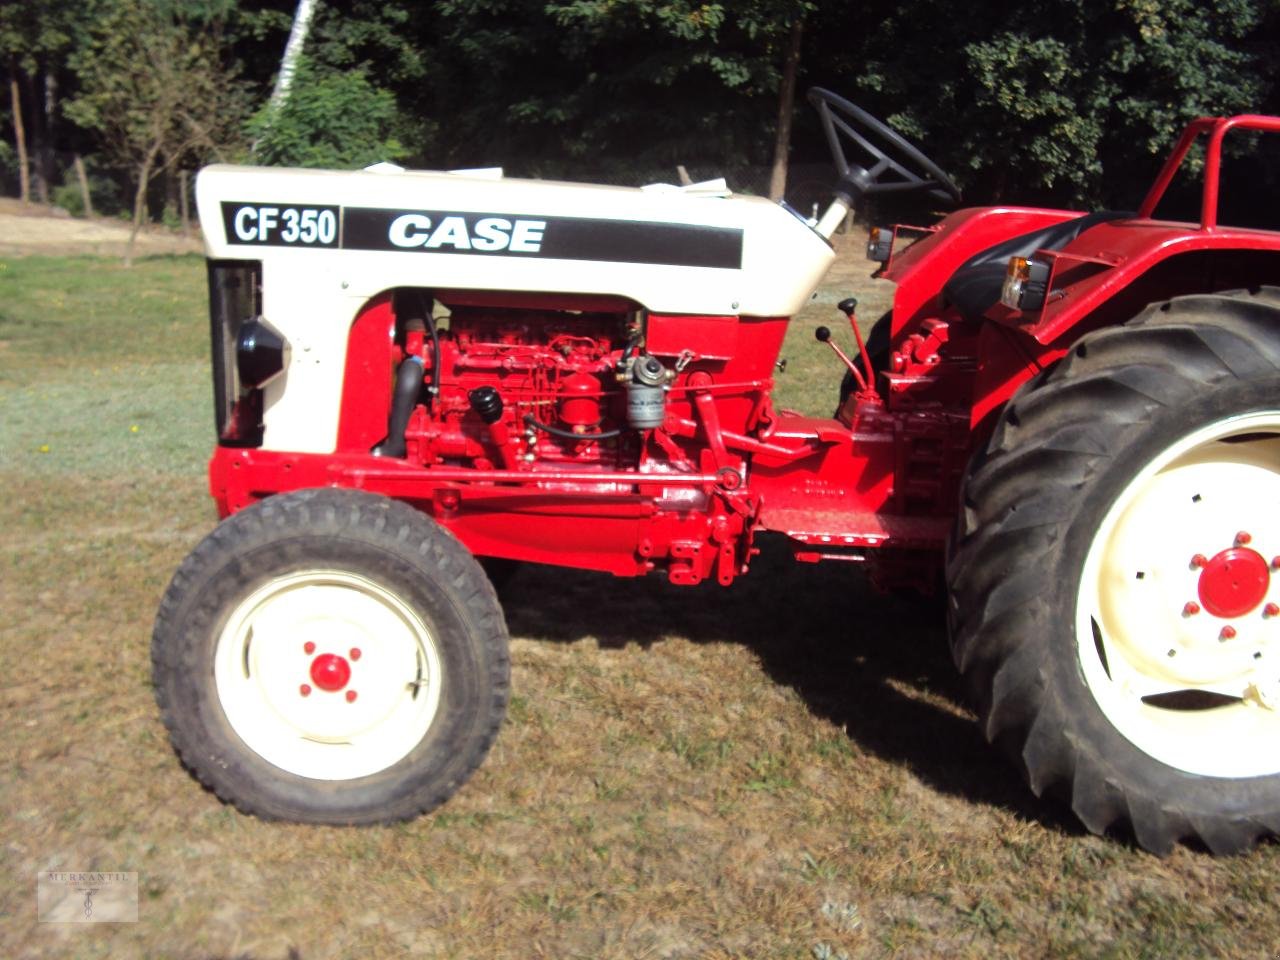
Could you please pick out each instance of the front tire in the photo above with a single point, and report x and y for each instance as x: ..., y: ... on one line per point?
x: 1115, y: 575
x: 331, y: 656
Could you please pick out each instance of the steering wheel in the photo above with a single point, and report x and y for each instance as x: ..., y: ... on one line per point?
x: 897, y: 167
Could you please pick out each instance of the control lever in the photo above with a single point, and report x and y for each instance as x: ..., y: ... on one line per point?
x: 848, y: 306
x: 823, y: 335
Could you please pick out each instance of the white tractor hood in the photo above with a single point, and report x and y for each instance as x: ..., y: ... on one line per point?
x: 672, y: 250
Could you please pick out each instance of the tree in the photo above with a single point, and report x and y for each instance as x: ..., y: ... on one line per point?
x: 1067, y: 102
x: 289, y: 62
x: 36, y: 38
x: 333, y: 119
x: 342, y: 110
x: 627, y: 88
x: 155, y: 87
x: 786, y: 107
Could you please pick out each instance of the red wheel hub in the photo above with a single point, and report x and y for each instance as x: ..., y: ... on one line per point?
x: 330, y: 672
x: 1234, y: 582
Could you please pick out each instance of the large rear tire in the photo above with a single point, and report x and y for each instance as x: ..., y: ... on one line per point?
x: 330, y: 656
x: 1115, y: 575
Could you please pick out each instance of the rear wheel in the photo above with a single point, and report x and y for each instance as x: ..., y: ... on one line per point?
x: 1115, y: 575
x: 330, y: 656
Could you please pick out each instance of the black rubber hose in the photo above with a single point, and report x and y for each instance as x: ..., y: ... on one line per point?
x: 408, y: 387
x: 569, y: 434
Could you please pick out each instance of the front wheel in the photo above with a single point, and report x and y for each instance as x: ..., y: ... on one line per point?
x: 1115, y: 575
x: 329, y: 656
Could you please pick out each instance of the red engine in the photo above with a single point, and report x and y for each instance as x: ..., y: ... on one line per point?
x: 520, y: 389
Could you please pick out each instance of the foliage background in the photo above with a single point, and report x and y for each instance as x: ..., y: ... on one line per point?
x: 1059, y: 101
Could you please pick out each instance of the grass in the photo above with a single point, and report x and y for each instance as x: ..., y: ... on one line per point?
x: 782, y: 769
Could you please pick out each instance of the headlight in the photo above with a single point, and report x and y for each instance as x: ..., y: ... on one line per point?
x: 1025, y: 284
x: 261, y: 353
x: 880, y: 244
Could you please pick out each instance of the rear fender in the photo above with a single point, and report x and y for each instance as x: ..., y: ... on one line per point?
x: 922, y: 269
x: 1115, y: 269
x: 1089, y: 294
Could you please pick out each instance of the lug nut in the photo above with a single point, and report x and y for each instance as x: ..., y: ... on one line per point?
x: 351, y: 696
x: 1199, y: 560
x: 1191, y: 609
x: 308, y: 647
x: 305, y: 689
x: 1271, y: 610
x: 355, y: 653
x: 1243, y: 537
x: 1228, y: 633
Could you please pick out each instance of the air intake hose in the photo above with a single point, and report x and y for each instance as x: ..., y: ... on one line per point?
x: 408, y: 388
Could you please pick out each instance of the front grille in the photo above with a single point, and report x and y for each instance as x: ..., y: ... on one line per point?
x: 235, y: 295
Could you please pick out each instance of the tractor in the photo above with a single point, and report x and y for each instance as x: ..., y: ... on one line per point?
x: 1071, y: 419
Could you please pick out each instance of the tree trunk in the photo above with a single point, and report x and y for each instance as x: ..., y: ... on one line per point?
x: 289, y: 63
x: 172, y: 202
x: 36, y: 129
x: 45, y: 158
x: 186, y: 206
x: 20, y: 137
x: 786, y: 106
x: 84, y: 187
x: 140, y: 199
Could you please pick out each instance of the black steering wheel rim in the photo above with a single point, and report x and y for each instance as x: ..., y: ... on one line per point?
x: 844, y: 120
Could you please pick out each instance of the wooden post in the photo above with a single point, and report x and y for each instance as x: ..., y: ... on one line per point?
x: 84, y: 187
x: 20, y: 136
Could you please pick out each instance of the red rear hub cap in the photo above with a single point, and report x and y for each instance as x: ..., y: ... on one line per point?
x: 330, y: 672
x: 1234, y: 582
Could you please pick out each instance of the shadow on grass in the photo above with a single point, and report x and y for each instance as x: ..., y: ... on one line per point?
x: 868, y: 663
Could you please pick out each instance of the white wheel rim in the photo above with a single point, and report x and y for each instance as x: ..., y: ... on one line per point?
x: 1195, y: 689
x: 265, y: 674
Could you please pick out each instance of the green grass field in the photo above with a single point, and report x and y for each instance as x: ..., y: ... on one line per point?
x: 782, y: 769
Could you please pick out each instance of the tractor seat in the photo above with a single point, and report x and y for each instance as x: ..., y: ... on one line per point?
x: 974, y: 288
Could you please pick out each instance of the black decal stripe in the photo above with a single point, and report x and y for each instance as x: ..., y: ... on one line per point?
x: 621, y: 241
x: 567, y: 238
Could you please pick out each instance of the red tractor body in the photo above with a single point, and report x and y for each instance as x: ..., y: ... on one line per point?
x: 585, y: 427
x: 687, y: 498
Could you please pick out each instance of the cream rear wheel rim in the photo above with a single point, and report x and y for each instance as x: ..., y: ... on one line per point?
x: 1177, y: 632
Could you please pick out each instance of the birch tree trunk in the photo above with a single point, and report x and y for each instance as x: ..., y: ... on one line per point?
x: 289, y: 63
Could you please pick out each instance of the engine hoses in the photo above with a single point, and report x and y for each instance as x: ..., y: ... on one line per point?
x: 569, y: 434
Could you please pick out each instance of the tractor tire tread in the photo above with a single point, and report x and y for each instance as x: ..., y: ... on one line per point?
x: 371, y: 521
x: 1022, y: 489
